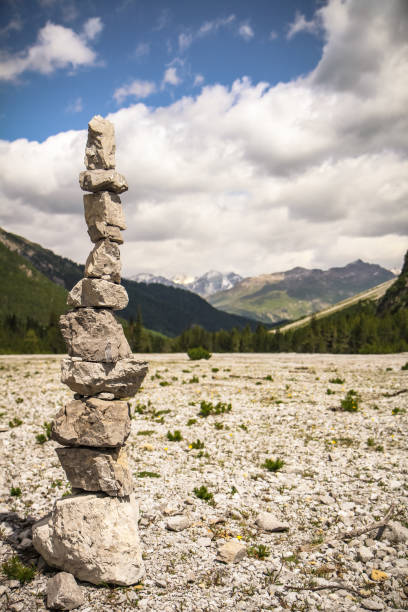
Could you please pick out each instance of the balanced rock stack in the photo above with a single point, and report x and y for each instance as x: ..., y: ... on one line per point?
x: 93, y: 533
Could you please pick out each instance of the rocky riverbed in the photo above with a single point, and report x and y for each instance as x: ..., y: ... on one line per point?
x: 213, y: 445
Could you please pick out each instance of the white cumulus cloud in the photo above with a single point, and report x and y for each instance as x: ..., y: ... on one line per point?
x: 93, y: 27
x: 170, y: 76
x: 301, y: 24
x: 56, y: 47
x: 245, y: 31
x: 137, y: 89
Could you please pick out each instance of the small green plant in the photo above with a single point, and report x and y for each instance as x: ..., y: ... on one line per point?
x: 396, y: 411
x: 268, y: 377
x: 207, y: 408
x: 330, y: 392
x: 44, y: 437
x: 370, y: 442
x: 164, y: 383
x: 15, y: 492
x: 174, y: 437
x: 15, y: 422
x: 145, y: 432
x: 191, y: 422
x: 336, y: 381
x: 198, y: 353
x: 405, y: 366
x: 259, y: 551
x: 233, y: 490
x: 56, y: 484
x: 15, y: 570
x: 193, y: 380
x: 148, y: 475
x: 203, y: 493
x: 273, y: 465
x: 215, y: 370
x: 350, y: 402
x: 243, y: 427
x: 197, y: 445
x: 218, y: 425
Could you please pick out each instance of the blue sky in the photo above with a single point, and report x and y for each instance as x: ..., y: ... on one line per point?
x: 192, y: 43
x: 254, y: 136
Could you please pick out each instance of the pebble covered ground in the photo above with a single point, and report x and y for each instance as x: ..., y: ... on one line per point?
x: 341, y: 472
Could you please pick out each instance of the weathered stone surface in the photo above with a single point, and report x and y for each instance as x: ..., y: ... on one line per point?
x: 97, y: 470
x: 122, y: 378
x: 101, y: 231
x: 102, y: 547
x: 178, y: 523
x: 94, y: 335
x: 396, y: 533
x: 102, y: 180
x: 63, y: 593
x: 268, y: 522
x: 104, y: 207
x: 98, y: 293
x: 92, y: 422
x: 100, y: 147
x: 104, y: 261
x: 231, y: 552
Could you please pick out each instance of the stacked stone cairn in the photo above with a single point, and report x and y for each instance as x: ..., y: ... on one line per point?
x: 93, y: 533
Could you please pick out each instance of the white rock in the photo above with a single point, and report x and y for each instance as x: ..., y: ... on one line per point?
x: 102, y: 180
x: 104, y: 207
x: 395, y: 532
x: 268, y: 522
x: 122, y: 378
x: 94, y: 335
x: 371, y: 604
x: 104, y: 261
x: 100, y: 147
x: 63, y: 593
x: 364, y: 554
x: 98, y: 293
x: 97, y: 470
x: 231, y: 552
x: 92, y: 422
x: 94, y: 537
x: 178, y: 523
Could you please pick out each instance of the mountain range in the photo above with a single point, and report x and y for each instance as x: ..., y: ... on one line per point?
x: 209, y: 283
x: 298, y: 292
x: 38, y: 280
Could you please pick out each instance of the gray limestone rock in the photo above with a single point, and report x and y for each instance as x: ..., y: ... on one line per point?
x: 122, y: 378
x: 104, y: 207
x: 100, y: 147
x: 231, y: 552
x: 92, y: 422
x: 93, y: 536
x: 178, y: 523
x: 101, y: 231
x: 104, y: 261
x: 102, y: 180
x: 98, y: 293
x: 94, y: 335
x: 268, y: 522
x: 97, y: 470
x: 63, y: 593
x: 395, y: 532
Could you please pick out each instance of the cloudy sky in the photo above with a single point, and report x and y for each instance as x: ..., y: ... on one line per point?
x: 254, y: 136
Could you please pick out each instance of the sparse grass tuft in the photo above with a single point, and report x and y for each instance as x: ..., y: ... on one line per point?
x: 148, y: 475
x: 208, y: 408
x: 259, y: 551
x: 336, y: 381
x: 16, y: 422
x: 405, y: 366
x: 273, y: 465
x: 15, y: 570
x: 15, y: 492
x: 350, y: 402
x: 44, y: 437
x: 203, y: 493
x: 174, y: 437
x: 191, y: 422
x: 197, y: 445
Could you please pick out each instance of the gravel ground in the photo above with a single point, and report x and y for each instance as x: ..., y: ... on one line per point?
x: 341, y: 471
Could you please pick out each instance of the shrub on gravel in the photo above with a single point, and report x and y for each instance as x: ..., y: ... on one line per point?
x: 350, y: 402
x: 207, y: 408
x: 259, y: 551
x: 198, y: 352
x: 174, y: 437
x: 273, y: 465
x: 203, y: 493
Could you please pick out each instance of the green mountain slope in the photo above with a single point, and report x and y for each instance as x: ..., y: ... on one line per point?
x: 298, y: 292
x: 164, y: 309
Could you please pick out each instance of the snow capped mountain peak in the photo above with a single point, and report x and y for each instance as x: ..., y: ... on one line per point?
x: 205, y: 285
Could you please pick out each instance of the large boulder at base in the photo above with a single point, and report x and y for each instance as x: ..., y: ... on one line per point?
x: 104, y: 261
x: 63, y: 593
x: 92, y: 422
x: 98, y: 293
x: 97, y: 470
x: 94, y: 335
x: 104, y: 207
x: 94, y: 537
x: 100, y: 147
x: 122, y: 378
x: 102, y: 180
